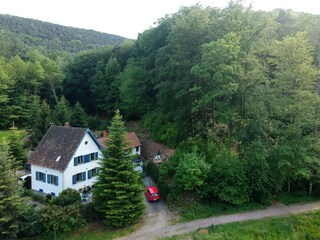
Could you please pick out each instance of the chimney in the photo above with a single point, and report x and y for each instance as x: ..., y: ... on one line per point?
x: 105, y: 134
x: 66, y: 124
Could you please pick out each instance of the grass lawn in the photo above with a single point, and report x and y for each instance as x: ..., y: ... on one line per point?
x: 20, y: 133
x: 92, y: 231
x: 98, y: 232
x: 300, y: 226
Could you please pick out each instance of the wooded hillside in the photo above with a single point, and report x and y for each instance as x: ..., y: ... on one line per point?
x: 236, y: 91
x: 52, y: 37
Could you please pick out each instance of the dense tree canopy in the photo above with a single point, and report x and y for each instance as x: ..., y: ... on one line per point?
x: 240, y: 85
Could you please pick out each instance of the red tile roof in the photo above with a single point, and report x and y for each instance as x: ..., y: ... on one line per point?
x: 131, y: 137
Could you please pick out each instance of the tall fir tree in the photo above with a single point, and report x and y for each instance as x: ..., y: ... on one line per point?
x: 62, y: 112
x: 79, y: 117
x: 41, y: 123
x: 17, y: 151
x: 118, y: 191
x: 12, y: 206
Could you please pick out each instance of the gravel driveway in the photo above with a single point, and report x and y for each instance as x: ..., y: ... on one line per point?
x: 156, y: 217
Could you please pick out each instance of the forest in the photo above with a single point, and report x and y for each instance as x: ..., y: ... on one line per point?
x: 18, y: 34
x: 234, y: 91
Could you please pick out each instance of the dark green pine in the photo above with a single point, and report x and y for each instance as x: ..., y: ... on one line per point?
x: 118, y: 191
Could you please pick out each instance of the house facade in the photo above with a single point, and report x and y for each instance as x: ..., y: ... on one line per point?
x: 66, y: 157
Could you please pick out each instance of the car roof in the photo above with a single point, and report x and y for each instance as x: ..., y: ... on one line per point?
x: 153, y: 189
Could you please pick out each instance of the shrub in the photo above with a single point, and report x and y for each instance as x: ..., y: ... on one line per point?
x: 67, y: 197
x: 61, y: 220
x: 90, y: 214
x: 152, y: 170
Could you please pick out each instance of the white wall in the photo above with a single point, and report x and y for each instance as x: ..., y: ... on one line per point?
x: 71, y: 170
x: 134, y: 151
x: 45, y: 186
x: 65, y: 178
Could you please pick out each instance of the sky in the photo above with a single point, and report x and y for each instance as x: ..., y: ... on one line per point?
x: 127, y: 18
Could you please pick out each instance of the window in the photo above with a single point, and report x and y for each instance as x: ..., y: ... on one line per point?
x: 93, y: 156
x: 52, y: 179
x: 85, y: 158
x: 80, y: 177
x: 40, y: 176
x: 53, y: 194
x: 137, y: 149
x: 80, y: 159
x: 92, y: 173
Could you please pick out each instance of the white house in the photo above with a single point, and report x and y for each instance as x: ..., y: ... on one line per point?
x: 66, y: 157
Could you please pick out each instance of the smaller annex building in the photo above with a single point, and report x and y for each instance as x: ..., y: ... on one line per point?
x: 132, y: 139
x: 66, y: 157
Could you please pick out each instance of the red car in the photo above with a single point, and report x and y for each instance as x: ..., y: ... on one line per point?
x: 152, y: 194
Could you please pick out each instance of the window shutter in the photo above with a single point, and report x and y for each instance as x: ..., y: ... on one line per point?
x: 89, y: 174
x: 56, y: 180
x: 74, y: 179
x: 44, y: 178
x: 96, y: 155
x: 83, y: 176
x: 87, y: 158
x: 49, y: 178
x: 75, y: 161
x: 37, y: 175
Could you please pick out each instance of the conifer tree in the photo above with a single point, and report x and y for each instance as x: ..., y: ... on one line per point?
x: 118, y: 191
x: 12, y: 206
x: 41, y: 123
x: 17, y: 151
x: 61, y: 113
x: 79, y: 117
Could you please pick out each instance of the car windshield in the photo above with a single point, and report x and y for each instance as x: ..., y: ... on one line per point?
x: 153, y: 194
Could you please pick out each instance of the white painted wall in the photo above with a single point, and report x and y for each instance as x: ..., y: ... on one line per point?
x: 134, y: 151
x: 71, y: 170
x: 46, y: 187
x: 65, y: 178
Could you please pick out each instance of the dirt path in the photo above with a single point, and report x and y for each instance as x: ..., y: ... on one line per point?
x: 178, y: 229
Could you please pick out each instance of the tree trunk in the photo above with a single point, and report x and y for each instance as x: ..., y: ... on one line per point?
x: 53, y: 89
x: 310, y: 188
x: 289, y: 184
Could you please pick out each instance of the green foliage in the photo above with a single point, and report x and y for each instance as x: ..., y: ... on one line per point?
x: 55, y: 220
x: 62, y: 113
x: 79, y: 118
x: 42, y: 121
x: 17, y: 151
x: 90, y: 214
x: 118, y: 191
x: 192, y: 210
x: 192, y: 173
x: 13, y: 209
x: 52, y: 37
x: 67, y: 197
x: 152, y: 170
x: 300, y: 226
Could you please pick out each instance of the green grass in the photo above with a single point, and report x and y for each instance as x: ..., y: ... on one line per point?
x: 300, y: 226
x: 297, y: 197
x: 196, y: 210
x: 92, y: 231
x: 20, y: 133
x: 98, y: 232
